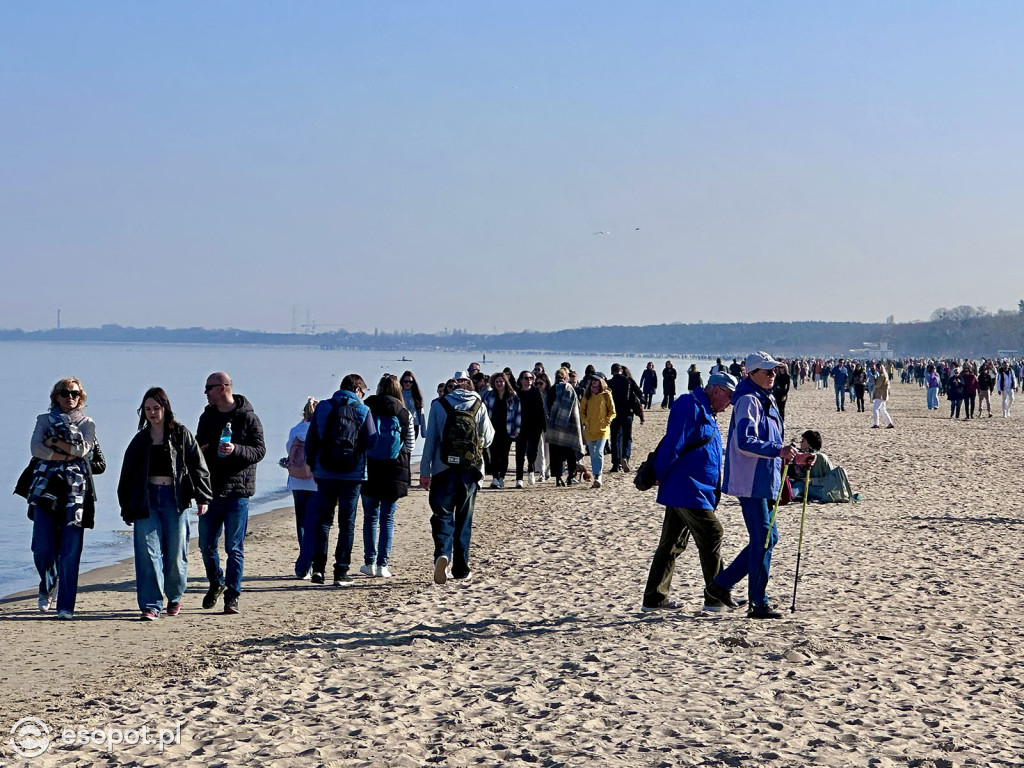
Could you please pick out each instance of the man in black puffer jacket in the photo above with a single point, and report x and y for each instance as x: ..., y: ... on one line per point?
x: 232, y: 459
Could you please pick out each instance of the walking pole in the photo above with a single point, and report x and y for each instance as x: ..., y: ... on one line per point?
x: 800, y: 545
x: 782, y: 484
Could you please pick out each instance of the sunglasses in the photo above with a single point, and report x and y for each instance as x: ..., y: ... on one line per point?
x: 407, y: 381
x: 70, y: 393
x: 208, y: 387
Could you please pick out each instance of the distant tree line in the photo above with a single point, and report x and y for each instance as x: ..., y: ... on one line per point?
x: 957, y: 332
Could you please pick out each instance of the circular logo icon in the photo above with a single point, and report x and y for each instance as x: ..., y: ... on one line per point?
x: 30, y: 737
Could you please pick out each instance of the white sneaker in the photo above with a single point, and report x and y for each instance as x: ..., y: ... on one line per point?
x: 367, y: 570
x: 533, y: 478
x: 519, y: 483
x: 494, y: 483
x: 384, y: 572
x: 65, y: 615
x: 501, y: 482
x: 44, y: 604
x: 441, y: 570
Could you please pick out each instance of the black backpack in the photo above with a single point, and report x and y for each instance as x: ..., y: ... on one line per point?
x: 460, y: 439
x: 340, y: 445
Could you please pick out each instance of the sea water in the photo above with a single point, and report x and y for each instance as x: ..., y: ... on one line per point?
x: 275, y: 380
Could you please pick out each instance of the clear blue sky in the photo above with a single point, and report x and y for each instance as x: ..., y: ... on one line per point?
x: 431, y: 164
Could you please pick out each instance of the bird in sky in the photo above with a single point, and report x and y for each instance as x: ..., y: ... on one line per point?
x: 602, y: 232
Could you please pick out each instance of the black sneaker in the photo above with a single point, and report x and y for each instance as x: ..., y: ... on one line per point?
x: 231, y: 604
x: 716, y: 593
x: 317, y: 578
x: 763, y: 612
x: 625, y: 465
x: 215, y: 591
x: 343, y: 580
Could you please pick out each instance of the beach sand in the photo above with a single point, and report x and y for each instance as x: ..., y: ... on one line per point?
x: 905, y: 649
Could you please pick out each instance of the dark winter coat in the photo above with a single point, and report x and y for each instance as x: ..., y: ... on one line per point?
x: 389, y: 479
x: 235, y: 475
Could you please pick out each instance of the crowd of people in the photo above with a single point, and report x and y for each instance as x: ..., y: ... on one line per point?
x: 356, y: 446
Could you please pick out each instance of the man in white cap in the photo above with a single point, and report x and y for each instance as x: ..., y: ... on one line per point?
x: 688, y: 465
x: 458, y: 431
x: 753, y: 468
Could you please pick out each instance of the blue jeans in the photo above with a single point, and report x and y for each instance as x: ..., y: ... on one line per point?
x: 57, y: 551
x: 840, y: 398
x: 305, y: 528
x: 596, y: 450
x: 933, y: 397
x: 343, y: 495
x: 232, y: 516
x: 754, y: 561
x: 378, y: 550
x: 161, y: 551
x: 452, y: 495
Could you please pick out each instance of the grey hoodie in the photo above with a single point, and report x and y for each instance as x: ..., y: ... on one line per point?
x: 461, y: 400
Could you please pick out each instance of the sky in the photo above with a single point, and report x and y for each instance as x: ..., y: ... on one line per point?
x: 507, y: 166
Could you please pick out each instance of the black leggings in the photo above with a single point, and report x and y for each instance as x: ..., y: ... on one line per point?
x: 559, y: 454
x: 498, y: 451
x: 526, y: 450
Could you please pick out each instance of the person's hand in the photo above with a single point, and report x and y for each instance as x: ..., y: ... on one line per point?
x: 201, y: 509
x: 788, y: 453
x: 225, y: 449
x: 425, y: 483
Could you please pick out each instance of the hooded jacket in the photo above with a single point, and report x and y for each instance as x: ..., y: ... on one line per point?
x: 234, y: 475
x: 687, y: 475
x: 461, y: 400
x: 752, y: 464
x: 389, y: 479
x: 318, y: 424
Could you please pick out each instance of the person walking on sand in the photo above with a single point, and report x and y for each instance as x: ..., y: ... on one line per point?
x: 1005, y: 383
x: 753, y: 470
x: 879, y: 408
x: 163, y: 469
x: 533, y: 423
x: 230, y: 436
x: 668, y: 384
x: 597, y: 414
x: 303, y: 488
x: 565, y: 434
x: 649, y: 384
x: 340, y: 434
x: 688, y: 465
x: 458, y: 432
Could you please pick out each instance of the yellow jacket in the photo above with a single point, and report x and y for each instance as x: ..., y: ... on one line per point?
x: 596, y: 414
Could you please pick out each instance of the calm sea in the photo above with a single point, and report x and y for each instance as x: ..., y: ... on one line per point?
x: 275, y: 379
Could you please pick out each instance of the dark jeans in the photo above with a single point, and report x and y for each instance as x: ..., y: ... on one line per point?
x: 679, y: 525
x: 622, y: 439
x: 753, y: 561
x: 306, y: 517
x: 954, y: 408
x: 57, y: 551
x: 840, y: 399
x: 560, y: 454
x: 969, y: 401
x: 452, y: 495
x: 666, y: 401
x: 526, y: 450
x: 230, y: 515
x: 342, y: 495
x: 648, y: 399
x: 860, y: 399
x: 498, y: 452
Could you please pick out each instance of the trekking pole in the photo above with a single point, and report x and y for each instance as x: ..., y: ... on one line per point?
x: 800, y: 544
x: 782, y: 485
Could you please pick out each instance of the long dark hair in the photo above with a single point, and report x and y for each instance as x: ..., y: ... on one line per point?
x: 158, y: 394
x: 417, y: 398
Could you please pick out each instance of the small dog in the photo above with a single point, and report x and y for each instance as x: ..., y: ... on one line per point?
x: 583, y: 474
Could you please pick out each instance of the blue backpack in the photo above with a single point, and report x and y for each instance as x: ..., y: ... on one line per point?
x: 389, y: 438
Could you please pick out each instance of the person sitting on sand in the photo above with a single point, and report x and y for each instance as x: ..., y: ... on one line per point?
x: 810, y: 442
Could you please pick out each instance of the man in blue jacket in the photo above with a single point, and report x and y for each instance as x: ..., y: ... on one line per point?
x: 753, y: 469
x: 840, y: 379
x: 340, y: 432
x: 688, y: 466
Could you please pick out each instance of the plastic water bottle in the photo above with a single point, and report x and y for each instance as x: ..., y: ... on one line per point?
x: 225, y: 434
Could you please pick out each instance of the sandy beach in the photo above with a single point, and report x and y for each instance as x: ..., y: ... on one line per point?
x: 905, y: 649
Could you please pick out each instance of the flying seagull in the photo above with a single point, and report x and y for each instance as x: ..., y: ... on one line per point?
x: 602, y: 232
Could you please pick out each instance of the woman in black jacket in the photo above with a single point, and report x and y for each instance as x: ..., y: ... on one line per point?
x: 388, y: 474
x: 163, y: 470
x: 534, y: 422
x: 668, y: 385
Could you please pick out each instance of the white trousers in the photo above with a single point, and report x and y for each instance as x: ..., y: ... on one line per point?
x: 1007, y: 401
x: 878, y: 409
